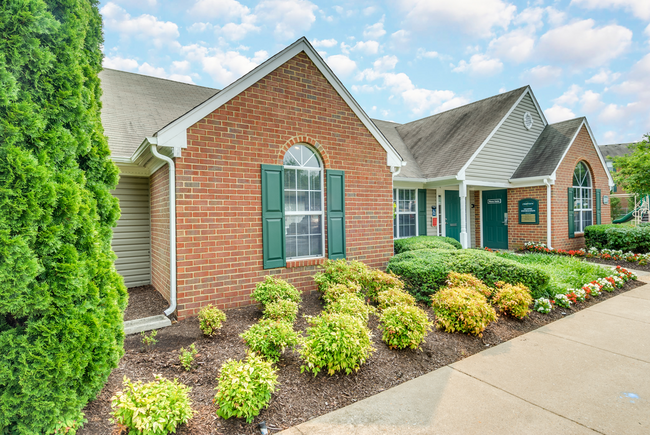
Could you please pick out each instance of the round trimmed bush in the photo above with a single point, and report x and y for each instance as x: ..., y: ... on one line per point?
x: 425, y: 242
x: 270, y: 338
x: 282, y: 310
x: 393, y: 297
x: 461, y: 309
x: 404, y: 326
x: 352, y: 305
x: 335, y: 291
x: 211, y: 320
x: 455, y: 279
x: 513, y: 300
x: 273, y: 289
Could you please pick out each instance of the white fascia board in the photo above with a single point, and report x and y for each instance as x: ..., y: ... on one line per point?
x: 480, y: 148
x: 172, y: 134
x: 410, y: 184
x: 407, y: 179
x: 133, y: 170
x: 516, y: 182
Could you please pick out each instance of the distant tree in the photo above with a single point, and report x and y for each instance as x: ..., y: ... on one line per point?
x: 61, y: 299
x: 633, y: 170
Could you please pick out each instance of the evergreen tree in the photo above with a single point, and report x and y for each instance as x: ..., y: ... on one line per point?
x: 61, y: 299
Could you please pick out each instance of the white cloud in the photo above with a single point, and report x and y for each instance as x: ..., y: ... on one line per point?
x: 543, y: 75
x: 570, y: 97
x: 181, y: 66
x: 160, y: 72
x: 289, y: 17
x: 385, y: 63
x: 199, y: 27
x: 120, y: 63
x: 558, y: 114
x: 139, y: 3
x: 237, y: 32
x: 647, y: 31
x: 401, y: 39
x: 640, y: 8
x: 555, y: 17
x: 327, y: 43
x: 367, y: 47
x: 591, y: 101
x: 531, y: 17
x: 614, y: 113
x: 480, y: 65
x: 422, y: 53
x: 223, y: 66
x: 374, y: 31
x: 344, y: 11
x: 502, y: 90
x: 342, y: 65
x: 516, y: 46
x: 583, y: 45
x: 145, y: 27
x: 611, y: 137
x: 369, y: 10
x: 365, y: 88
x: 224, y: 9
x: 476, y: 17
x: 604, y: 77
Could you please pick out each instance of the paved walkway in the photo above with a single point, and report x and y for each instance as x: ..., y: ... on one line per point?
x: 588, y: 373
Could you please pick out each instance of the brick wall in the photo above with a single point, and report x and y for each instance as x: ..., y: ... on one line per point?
x: 518, y: 233
x: 159, y: 191
x: 219, y: 221
x: 582, y: 149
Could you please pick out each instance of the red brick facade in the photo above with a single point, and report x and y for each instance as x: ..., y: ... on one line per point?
x: 159, y: 218
x: 218, y: 218
x: 518, y: 234
x: 582, y: 149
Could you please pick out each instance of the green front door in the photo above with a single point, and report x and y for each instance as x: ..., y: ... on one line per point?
x: 495, y: 219
x: 452, y: 214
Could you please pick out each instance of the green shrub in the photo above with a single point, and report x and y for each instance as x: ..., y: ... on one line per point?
x: 340, y: 272
x: 61, y: 298
x: 270, y: 338
x: 211, y: 320
x: 425, y: 242
x: 393, y: 297
x: 513, y: 300
x: 595, y: 235
x: 376, y: 281
x: 335, y: 342
x: 281, y: 310
x: 155, y: 408
x: 618, y: 237
x: 186, y: 357
x: 404, y: 326
x: 335, y: 291
x: 245, y: 387
x: 461, y: 309
x: 149, y: 341
x: 455, y: 279
x: 426, y: 271
x: 273, y: 289
x: 352, y: 305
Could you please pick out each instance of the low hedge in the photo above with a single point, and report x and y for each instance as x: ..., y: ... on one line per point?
x: 595, y: 235
x: 425, y: 271
x: 425, y: 242
x: 618, y: 237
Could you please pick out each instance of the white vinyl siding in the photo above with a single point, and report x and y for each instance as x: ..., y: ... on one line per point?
x: 131, y: 238
x: 503, y: 153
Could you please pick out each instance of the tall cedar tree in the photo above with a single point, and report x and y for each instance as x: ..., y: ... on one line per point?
x: 633, y: 170
x: 61, y: 299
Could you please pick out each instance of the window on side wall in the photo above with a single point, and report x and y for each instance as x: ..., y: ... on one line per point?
x: 404, y: 221
x: 582, y: 198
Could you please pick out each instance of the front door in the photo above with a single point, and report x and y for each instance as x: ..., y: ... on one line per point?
x: 495, y: 219
x: 452, y: 214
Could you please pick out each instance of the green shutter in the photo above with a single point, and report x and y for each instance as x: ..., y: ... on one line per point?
x: 273, y: 216
x: 571, y: 223
x: 597, y: 206
x: 422, y: 212
x: 335, y: 214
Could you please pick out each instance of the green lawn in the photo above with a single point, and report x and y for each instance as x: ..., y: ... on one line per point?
x: 565, y: 272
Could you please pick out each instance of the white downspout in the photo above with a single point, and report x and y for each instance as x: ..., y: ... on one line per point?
x: 395, y: 173
x: 548, y: 213
x: 172, y: 228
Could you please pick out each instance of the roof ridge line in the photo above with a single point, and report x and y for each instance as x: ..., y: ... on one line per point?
x: 160, y: 78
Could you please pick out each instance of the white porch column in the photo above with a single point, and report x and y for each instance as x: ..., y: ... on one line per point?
x: 462, y: 193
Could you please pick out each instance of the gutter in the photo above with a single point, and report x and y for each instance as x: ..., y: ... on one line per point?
x: 172, y: 224
x: 548, y: 212
x: 395, y: 173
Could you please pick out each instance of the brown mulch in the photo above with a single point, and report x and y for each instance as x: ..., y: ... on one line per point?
x: 300, y: 396
x: 622, y: 263
x: 144, y: 301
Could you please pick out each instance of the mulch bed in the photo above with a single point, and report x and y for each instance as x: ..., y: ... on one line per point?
x: 300, y: 396
x: 622, y: 263
x: 144, y: 301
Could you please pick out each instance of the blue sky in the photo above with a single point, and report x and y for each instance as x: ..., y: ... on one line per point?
x: 407, y: 59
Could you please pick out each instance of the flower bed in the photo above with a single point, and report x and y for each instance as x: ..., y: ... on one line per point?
x: 603, y: 254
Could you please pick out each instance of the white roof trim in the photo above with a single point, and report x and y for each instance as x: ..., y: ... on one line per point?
x: 514, y: 106
x: 594, y: 143
x: 171, y: 133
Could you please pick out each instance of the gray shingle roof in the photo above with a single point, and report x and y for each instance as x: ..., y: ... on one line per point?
x: 135, y: 106
x: 441, y: 144
x: 544, y: 157
x: 615, y: 150
x: 389, y: 130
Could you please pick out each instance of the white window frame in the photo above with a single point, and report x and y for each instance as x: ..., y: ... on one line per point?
x: 320, y: 213
x: 581, y: 193
x: 396, y: 234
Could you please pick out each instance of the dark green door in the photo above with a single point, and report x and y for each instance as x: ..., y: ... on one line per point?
x: 452, y: 214
x: 495, y: 219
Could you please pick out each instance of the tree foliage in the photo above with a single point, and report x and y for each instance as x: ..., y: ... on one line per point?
x: 633, y: 170
x: 61, y: 299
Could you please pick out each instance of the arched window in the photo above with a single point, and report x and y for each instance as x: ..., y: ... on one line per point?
x: 582, y: 198
x: 303, y: 203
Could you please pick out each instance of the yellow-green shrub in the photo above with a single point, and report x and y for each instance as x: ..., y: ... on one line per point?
x: 455, y: 279
x: 462, y: 309
x: 335, y: 291
x: 370, y: 281
x: 281, y: 310
x: 377, y: 281
x: 351, y: 304
x: 270, y: 338
x: 513, y: 300
x: 211, y: 320
x: 404, y: 326
x: 393, y: 297
x: 273, y: 289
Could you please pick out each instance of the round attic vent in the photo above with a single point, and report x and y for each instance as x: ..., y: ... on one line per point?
x: 528, y: 120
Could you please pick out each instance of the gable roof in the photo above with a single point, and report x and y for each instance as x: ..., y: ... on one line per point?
x: 135, y: 106
x: 443, y: 144
x: 616, y: 150
x: 389, y: 130
x: 549, y: 149
x: 174, y: 134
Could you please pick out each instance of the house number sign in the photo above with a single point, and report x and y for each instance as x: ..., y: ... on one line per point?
x: 529, y: 211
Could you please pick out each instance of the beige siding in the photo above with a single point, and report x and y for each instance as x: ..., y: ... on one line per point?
x: 503, y: 153
x: 131, y: 237
x: 432, y: 200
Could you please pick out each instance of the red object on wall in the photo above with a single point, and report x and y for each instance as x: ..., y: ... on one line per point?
x: 434, y: 221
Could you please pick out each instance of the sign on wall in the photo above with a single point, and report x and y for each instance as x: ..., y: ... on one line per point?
x: 529, y: 211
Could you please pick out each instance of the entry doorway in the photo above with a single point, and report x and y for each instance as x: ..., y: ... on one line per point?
x: 495, y: 219
x: 452, y: 214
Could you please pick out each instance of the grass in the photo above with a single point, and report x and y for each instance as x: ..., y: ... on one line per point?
x: 565, y: 272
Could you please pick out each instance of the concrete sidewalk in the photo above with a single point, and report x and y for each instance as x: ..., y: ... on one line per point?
x: 586, y: 374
